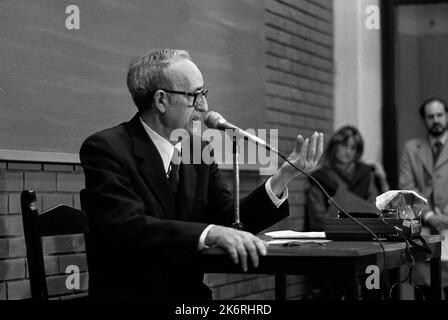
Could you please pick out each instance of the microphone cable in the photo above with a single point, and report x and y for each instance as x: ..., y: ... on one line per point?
x: 337, y: 206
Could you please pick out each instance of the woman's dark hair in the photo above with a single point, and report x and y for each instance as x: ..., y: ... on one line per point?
x: 340, y: 137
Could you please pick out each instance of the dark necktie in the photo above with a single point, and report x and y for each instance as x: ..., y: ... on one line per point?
x: 436, y: 149
x: 173, y: 177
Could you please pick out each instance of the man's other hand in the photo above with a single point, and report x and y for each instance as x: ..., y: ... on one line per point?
x: 239, y: 244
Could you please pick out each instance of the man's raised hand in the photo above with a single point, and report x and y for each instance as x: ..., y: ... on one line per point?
x: 306, y: 152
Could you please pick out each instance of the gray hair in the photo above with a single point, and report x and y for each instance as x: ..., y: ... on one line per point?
x: 147, y: 74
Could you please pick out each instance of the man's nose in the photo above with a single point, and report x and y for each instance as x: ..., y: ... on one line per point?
x: 203, y: 106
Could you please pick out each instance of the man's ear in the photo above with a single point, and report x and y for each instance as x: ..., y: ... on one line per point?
x: 160, y: 100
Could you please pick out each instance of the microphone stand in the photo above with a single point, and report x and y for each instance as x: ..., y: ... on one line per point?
x: 236, y: 186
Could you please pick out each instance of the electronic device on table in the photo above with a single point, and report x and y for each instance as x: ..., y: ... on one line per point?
x: 387, y: 226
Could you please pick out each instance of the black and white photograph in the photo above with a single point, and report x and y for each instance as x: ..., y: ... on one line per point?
x: 224, y: 158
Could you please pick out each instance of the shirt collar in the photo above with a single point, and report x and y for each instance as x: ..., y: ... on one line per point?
x: 442, y: 139
x: 165, y: 148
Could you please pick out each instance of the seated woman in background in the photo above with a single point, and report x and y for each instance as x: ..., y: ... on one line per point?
x: 353, y: 184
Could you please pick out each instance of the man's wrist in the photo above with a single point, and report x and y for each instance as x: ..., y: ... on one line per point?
x: 280, y: 180
x: 201, y: 244
x: 277, y: 198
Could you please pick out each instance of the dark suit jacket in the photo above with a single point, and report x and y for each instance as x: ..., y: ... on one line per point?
x: 419, y: 173
x: 138, y: 236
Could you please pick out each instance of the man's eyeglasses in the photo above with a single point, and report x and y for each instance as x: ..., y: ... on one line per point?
x: 198, y: 95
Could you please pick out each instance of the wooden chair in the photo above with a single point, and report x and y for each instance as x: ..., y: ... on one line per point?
x: 60, y: 220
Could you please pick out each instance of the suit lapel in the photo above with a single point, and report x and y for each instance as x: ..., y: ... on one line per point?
x: 151, y: 168
x: 443, y: 157
x: 425, y: 154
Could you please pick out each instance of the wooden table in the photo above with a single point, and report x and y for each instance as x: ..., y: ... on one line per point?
x: 346, y: 258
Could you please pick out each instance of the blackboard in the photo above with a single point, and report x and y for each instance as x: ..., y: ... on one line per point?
x: 58, y: 86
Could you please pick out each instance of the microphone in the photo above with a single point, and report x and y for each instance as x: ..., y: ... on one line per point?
x: 214, y: 120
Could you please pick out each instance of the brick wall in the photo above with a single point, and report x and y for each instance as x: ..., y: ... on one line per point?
x: 299, y: 88
x: 54, y: 184
x: 299, y: 100
x: 299, y: 81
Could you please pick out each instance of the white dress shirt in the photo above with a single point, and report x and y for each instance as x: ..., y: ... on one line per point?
x: 442, y: 139
x: 166, y: 150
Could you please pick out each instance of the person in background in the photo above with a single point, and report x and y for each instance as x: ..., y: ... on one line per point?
x: 353, y: 183
x: 424, y: 169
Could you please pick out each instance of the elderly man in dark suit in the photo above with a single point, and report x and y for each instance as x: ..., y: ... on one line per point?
x: 424, y: 169
x: 147, y: 212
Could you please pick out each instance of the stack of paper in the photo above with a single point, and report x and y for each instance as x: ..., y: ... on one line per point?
x: 289, y: 234
x: 289, y: 237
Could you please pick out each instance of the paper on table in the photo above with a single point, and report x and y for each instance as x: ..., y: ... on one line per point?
x: 289, y: 234
x: 444, y: 256
x: 298, y: 241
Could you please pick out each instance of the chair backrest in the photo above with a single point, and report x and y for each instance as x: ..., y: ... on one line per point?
x: 60, y: 220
